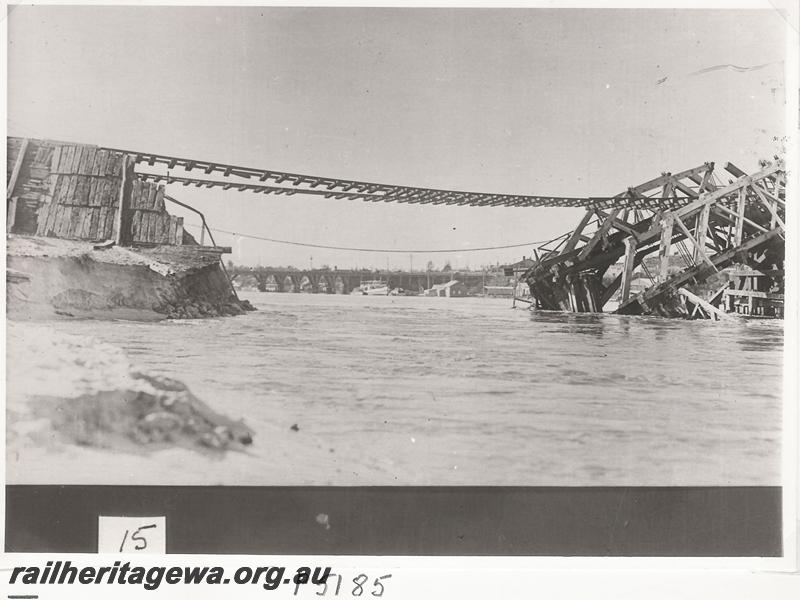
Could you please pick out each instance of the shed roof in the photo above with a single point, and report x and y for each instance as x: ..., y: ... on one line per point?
x: 443, y: 286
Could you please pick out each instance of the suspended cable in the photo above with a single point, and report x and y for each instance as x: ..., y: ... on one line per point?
x: 381, y: 250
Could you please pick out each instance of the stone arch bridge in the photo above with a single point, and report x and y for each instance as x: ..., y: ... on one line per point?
x: 336, y: 281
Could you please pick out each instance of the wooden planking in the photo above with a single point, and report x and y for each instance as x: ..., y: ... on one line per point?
x: 151, y: 195
x: 88, y: 166
x: 96, y: 160
x: 136, y: 191
x: 164, y: 227
x: 101, y: 231
x: 116, y: 165
x: 173, y: 225
x: 111, y: 193
x: 64, y: 219
x: 63, y: 215
x: 75, y: 221
x: 55, y: 158
x: 52, y: 220
x: 61, y: 227
x: 110, y: 224
x: 50, y: 224
x: 159, y: 200
x: 79, y: 198
x: 144, y: 232
x: 76, y: 160
x: 71, y: 187
x: 89, y: 223
x: 147, y: 196
x: 76, y: 189
x: 41, y: 220
x: 152, y: 233
x: 47, y: 219
x: 79, y: 228
x: 94, y: 219
x: 84, y: 157
x: 148, y: 226
x: 103, y: 164
x: 96, y: 191
x: 136, y: 226
x: 64, y: 159
x: 104, y: 192
x: 63, y: 188
x: 156, y: 228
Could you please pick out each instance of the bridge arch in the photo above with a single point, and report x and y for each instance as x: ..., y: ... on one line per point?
x: 269, y: 283
x: 324, y: 284
x: 340, y: 285
x: 304, y: 284
x: 288, y: 284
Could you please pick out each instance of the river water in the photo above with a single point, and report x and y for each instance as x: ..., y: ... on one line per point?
x: 434, y: 391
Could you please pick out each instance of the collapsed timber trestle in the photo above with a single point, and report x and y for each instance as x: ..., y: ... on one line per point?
x: 688, y: 218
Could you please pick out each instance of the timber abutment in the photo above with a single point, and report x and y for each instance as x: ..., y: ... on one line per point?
x: 88, y: 236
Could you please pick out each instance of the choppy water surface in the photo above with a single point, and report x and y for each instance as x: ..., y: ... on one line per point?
x: 432, y: 391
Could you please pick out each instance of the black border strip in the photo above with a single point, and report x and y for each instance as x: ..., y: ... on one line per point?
x: 471, y: 521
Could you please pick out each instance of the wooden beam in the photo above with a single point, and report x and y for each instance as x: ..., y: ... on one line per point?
x: 705, y: 184
x: 598, y: 235
x: 740, y: 218
x: 700, y: 230
x: 665, y: 246
x: 668, y: 188
x: 124, y: 197
x: 708, y: 307
x: 686, y: 189
x: 769, y: 195
x: 772, y: 209
x: 12, y: 213
x: 12, y: 183
x: 576, y: 235
x: 734, y: 170
x: 620, y: 224
x: 627, y: 268
x: 698, y: 246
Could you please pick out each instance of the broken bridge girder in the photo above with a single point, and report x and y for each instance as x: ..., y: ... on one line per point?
x: 708, y: 226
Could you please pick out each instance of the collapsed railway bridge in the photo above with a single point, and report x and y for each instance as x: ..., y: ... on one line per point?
x: 93, y: 193
x: 691, y: 215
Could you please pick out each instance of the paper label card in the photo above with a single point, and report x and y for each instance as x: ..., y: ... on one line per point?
x: 132, y: 534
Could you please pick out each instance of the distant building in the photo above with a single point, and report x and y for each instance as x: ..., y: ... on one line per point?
x: 451, y: 289
x: 499, y: 290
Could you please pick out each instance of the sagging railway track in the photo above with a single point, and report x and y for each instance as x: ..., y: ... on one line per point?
x: 692, y: 214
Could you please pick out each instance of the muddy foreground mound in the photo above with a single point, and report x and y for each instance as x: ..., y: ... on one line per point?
x: 67, y: 389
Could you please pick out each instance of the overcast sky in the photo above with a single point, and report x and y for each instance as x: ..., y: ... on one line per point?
x: 530, y: 101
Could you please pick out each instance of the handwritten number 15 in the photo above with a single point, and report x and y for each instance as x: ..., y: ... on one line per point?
x: 136, y: 538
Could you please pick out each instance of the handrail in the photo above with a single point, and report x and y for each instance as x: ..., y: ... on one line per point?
x: 203, y: 229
